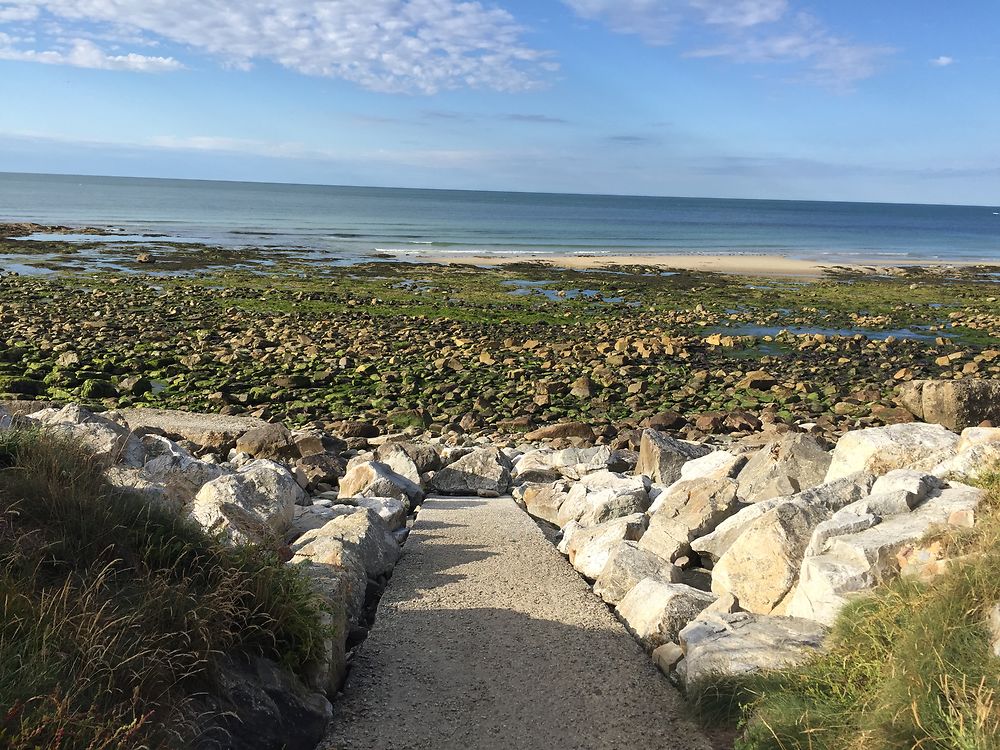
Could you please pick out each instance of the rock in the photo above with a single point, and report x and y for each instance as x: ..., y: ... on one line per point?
x: 605, y: 505
x: 955, y: 404
x: 546, y: 465
x: 364, y: 534
x: 713, y: 546
x: 715, y: 465
x: 400, y: 462
x: 563, y: 430
x: 687, y: 511
x: 356, y: 430
x: 212, y: 431
x: 969, y: 465
x: 375, y: 479
x: 993, y: 623
x: 135, y: 385
x: 793, y: 463
x: 174, y: 469
x: 856, y: 561
x: 308, y: 518
x: 6, y: 419
x: 272, y: 441
x: 544, y: 500
x: 425, y: 457
x: 656, y: 611
x: 626, y: 566
x: 335, y: 569
x: 255, y: 504
x: 590, y: 548
x: 661, y: 457
x: 256, y: 703
x: 485, y: 469
x: 665, y: 420
x: 321, y: 468
x: 109, y: 441
x: 878, y: 450
x: 665, y: 657
x: 975, y: 436
x: 762, y: 565
x: 718, y: 644
x: 389, y: 509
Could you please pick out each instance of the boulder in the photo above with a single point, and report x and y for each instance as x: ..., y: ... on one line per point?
x: 425, y: 457
x: 626, y: 566
x: 661, y: 457
x: 484, y: 471
x: 335, y: 569
x: 955, y: 404
x: 365, y: 534
x: 564, y: 430
x: 761, y: 566
x: 272, y: 441
x: 605, y: 505
x: 390, y: 509
x: 213, y: 431
x: 848, y: 563
x: 793, y: 463
x: 6, y: 419
x: 589, y: 548
x: 544, y: 500
x: 321, y: 468
x: 688, y: 510
x: 401, y: 463
x: 375, y: 479
x: 715, y: 465
x: 713, y: 546
x: 878, y: 450
x: 171, y: 467
x: 255, y: 504
x: 721, y: 644
x: 307, y: 518
x: 969, y: 465
x: 656, y: 611
x: 546, y: 465
x: 110, y: 441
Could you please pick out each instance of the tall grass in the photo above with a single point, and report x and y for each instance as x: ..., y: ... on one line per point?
x: 113, y: 611
x: 909, y: 667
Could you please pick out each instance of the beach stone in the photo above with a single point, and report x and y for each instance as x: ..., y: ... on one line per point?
x: 626, y: 566
x: 661, y: 456
x: 589, y: 548
x: 482, y: 470
x: 321, y: 468
x: 687, y: 511
x: 858, y: 560
x: 879, y: 450
x: 108, y: 440
x: 375, y: 479
x: 255, y: 504
x: 425, y: 457
x: 213, y: 431
x: 793, y: 463
x: 761, y: 566
x: 563, y: 430
x: 272, y: 441
x: 656, y: 611
x: 728, y: 644
x: 955, y: 404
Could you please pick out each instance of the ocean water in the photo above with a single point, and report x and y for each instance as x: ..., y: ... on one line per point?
x: 349, y: 223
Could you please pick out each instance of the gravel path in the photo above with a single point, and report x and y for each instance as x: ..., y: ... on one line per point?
x: 486, y: 638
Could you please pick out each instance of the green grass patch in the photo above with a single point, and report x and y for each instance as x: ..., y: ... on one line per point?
x: 113, y: 611
x: 909, y: 667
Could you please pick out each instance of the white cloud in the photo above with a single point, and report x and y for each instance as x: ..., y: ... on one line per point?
x: 943, y: 62
x: 83, y: 53
x: 384, y: 45
x: 657, y: 21
x: 831, y: 60
x: 751, y: 31
x: 17, y: 12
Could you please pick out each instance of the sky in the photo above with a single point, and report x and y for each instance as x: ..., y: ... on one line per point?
x: 874, y: 100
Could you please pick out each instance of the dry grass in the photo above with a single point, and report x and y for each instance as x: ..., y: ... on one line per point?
x: 113, y: 612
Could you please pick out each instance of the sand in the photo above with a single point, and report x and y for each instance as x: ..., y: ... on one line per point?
x: 746, y: 265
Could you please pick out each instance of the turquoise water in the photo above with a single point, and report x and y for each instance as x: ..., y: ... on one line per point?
x: 347, y: 223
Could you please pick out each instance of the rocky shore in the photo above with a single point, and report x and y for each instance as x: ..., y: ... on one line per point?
x: 721, y: 557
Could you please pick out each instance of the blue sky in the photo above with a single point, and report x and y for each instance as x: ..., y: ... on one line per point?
x: 892, y: 100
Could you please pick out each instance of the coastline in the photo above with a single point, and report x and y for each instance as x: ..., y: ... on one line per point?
x: 767, y: 265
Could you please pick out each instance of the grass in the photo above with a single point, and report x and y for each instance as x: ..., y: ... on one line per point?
x: 113, y: 611
x: 910, y: 667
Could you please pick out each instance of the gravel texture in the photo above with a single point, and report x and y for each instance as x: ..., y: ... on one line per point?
x: 486, y: 638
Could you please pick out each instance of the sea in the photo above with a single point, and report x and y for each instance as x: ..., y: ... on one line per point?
x: 349, y: 224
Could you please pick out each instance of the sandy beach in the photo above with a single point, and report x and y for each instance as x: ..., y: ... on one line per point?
x: 749, y: 265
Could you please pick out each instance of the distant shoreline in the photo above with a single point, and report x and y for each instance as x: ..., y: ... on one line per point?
x: 767, y: 265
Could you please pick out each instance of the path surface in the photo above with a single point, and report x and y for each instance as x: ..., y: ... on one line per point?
x: 486, y: 638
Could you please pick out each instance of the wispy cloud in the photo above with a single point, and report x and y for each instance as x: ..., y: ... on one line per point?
x: 83, y: 53
x: 748, y: 31
x: 532, y: 118
x: 629, y: 139
x: 385, y: 45
x: 943, y: 62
